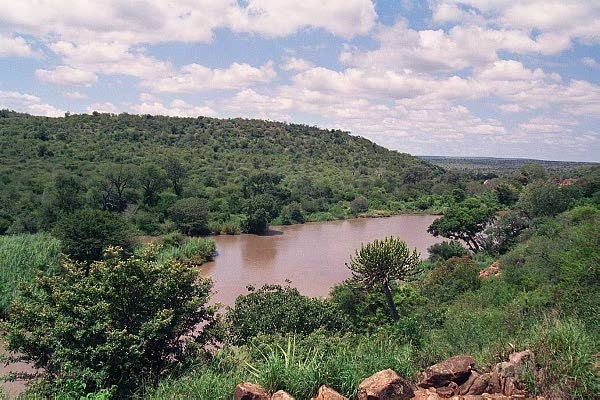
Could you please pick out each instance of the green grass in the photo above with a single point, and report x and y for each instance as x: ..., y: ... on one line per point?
x: 21, y: 257
x: 194, y: 250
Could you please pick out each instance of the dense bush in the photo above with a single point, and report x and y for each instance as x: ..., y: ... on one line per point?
x: 85, y: 234
x: 445, y: 250
x: 114, y: 324
x: 276, y: 309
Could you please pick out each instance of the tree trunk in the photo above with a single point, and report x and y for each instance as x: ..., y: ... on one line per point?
x: 390, y: 301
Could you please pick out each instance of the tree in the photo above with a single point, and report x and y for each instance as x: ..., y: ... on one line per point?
x: 190, y: 216
x: 543, y: 200
x: 114, y: 325
x: 176, y: 173
x: 465, y: 221
x: 85, y: 234
x: 382, y: 262
x: 153, y: 179
x: 277, y: 309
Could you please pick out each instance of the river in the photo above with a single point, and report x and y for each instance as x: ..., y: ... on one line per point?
x: 312, y: 256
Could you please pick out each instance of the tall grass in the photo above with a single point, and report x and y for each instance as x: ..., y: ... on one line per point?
x: 21, y: 256
x: 194, y: 251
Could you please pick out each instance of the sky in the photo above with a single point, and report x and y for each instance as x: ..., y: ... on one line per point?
x: 485, y: 78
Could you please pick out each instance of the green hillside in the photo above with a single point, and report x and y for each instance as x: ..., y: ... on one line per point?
x: 141, y: 165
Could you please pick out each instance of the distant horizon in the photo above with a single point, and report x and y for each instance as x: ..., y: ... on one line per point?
x: 496, y: 78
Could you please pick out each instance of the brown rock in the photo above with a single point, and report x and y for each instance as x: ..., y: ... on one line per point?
x: 250, y: 391
x: 464, y: 388
x: 327, y: 393
x: 426, y: 394
x: 282, y: 395
x: 385, y: 384
x: 492, y: 270
x: 509, y: 375
x: 480, y: 384
x: 455, y: 369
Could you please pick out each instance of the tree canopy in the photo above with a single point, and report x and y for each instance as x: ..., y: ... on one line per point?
x: 382, y: 262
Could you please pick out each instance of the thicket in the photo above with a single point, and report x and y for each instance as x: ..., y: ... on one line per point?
x: 200, y: 175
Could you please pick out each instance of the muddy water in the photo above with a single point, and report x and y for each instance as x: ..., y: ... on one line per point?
x: 311, y: 256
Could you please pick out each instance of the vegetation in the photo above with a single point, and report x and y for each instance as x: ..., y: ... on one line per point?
x: 136, y: 322
x: 382, y: 262
x: 112, y: 325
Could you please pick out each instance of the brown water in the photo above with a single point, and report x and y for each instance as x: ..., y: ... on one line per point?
x: 311, y: 256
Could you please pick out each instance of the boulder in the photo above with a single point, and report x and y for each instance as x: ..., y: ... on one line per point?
x: 327, y: 393
x: 387, y: 385
x: 455, y: 369
x: 509, y: 375
x: 466, y: 386
x: 250, y: 391
x: 492, y: 270
x: 282, y: 395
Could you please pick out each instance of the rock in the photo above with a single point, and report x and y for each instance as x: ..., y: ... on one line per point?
x: 282, y: 395
x: 510, y: 374
x: 492, y: 270
x: 464, y: 388
x: 385, y: 384
x: 327, y: 393
x: 426, y: 394
x: 250, y: 391
x: 455, y: 369
x: 480, y: 384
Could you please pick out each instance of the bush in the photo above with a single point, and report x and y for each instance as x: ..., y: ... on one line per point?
x: 446, y: 281
x: 190, y: 216
x: 276, y: 309
x: 445, y: 250
x: 85, y: 234
x: 114, y: 324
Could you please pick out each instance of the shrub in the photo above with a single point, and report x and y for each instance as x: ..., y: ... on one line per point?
x: 277, y: 309
x: 85, y: 234
x: 114, y: 324
x: 445, y: 250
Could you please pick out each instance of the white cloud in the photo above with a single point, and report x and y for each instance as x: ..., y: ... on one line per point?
x: 103, y: 107
x: 296, y: 64
x: 177, y: 107
x: 29, y: 103
x: 195, y: 78
x: 345, y: 18
x: 65, y: 75
x: 74, y: 95
x: 14, y: 47
x: 590, y: 62
x: 157, y: 21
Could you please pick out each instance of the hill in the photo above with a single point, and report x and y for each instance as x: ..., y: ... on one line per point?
x: 141, y: 165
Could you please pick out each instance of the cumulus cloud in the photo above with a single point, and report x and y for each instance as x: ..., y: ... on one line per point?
x: 14, y: 47
x: 195, y: 78
x: 177, y: 107
x: 64, y: 75
x: 157, y: 21
x: 29, y: 103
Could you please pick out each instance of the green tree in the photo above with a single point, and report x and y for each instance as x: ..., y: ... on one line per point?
x: 85, y: 234
x: 382, y: 262
x: 115, y: 325
x: 465, y: 221
x: 276, y: 309
x: 153, y: 179
x: 543, y: 200
x: 190, y: 216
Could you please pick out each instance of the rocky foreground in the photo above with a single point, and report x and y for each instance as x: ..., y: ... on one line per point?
x: 454, y: 378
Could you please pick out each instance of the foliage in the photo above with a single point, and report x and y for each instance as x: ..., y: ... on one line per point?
x: 194, y: 251
x: 92, y: 161
x: 190, y: 216
x: 276, y: 309
x: 85, y: 234
x: 543, y: 200
x: 445, y: 250
x: 21, y: 258
x: 116, y: 323
x: 451, y: 278
x: 382, y: 262
x: 465, y: 221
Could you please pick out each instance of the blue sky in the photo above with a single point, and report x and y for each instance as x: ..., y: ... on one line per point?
x: 498, y: 78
